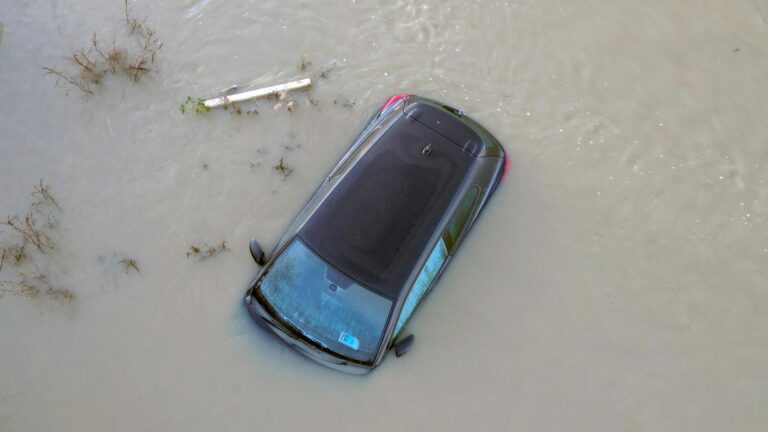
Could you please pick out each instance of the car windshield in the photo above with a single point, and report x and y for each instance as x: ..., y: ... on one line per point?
x: 325, y: 304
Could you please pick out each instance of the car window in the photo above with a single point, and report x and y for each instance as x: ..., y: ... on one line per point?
x: 452, y: 233
x: 427, y: 275
x: 324, y: 304
x: 437, y: 257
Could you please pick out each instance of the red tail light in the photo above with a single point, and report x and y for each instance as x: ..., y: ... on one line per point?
x: 506, y: 167
x: 394, y: 100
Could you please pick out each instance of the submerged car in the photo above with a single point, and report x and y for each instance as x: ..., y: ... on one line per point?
x: 377, y: 234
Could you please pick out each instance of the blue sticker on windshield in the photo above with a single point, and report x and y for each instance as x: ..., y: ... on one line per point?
x: 349, y: 340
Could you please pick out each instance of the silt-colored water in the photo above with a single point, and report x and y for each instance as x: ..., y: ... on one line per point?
x: 618, y: 280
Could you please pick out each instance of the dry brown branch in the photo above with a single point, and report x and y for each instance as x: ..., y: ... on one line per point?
x: 89, y: 67
x: 90, y: 71
x: 30, y: 282
x: 142, y: 64
x: 115, y: 58
x: 43, y: 194
x: 16, y: 254
x: 130, y: 265
x: 132, y: 22
x: 51, y: 222
x: 73, y: 81
x: 95, y: 47
x: 31, y: 231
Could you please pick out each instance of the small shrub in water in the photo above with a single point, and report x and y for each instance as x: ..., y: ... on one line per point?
x: 197, y: 105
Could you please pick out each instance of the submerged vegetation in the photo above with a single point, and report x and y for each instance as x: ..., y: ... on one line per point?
x: 87, y: 68
x: 283, y: 169
x: 346, y: 103
x: 26, y: 243
x: 207, y: 250
x: 304, y: 63
x: 34, y: 285
x: 237, y: 110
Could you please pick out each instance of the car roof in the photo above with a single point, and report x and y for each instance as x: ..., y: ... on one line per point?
x: 380, y: 217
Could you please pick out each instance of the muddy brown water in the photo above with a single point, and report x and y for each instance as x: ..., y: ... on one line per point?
x: 617, y: 281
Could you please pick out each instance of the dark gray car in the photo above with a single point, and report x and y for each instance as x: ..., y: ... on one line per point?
x: 376, y: 235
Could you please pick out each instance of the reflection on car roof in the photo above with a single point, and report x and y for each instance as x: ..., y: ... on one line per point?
x: 380, y: 216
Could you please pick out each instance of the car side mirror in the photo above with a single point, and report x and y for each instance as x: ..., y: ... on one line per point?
x: 257, y: 253
x: 403, y: 345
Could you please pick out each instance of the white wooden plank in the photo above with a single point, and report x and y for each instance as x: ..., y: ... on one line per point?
x: 262, y: 92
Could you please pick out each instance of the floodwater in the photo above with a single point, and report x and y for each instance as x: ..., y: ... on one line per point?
x: 617, y: 281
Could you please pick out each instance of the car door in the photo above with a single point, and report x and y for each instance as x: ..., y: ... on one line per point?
x: 446, y: 246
